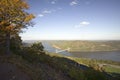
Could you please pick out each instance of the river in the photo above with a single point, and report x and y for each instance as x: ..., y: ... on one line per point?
x: 101, y: 55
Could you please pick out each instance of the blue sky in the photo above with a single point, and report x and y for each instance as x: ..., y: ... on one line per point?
x: 74, y: 20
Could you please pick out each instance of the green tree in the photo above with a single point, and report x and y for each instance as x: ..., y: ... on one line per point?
x: 16, y: 43
x: 13, y: 18
x: 37, y: 46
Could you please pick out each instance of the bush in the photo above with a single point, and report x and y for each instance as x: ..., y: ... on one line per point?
x: 33, y: 52
x: 76, y: 74
x: 37, y: 46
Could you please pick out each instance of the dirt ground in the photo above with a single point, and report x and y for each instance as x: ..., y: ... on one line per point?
x: 10, y: 71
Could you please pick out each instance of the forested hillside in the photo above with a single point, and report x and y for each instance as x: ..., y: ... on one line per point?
x: 86, y: 46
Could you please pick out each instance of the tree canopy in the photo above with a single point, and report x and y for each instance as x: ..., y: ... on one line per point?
x: 13, y: 18
x: 13, y: 15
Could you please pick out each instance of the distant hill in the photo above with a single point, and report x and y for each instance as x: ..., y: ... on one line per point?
x: 77, y: 46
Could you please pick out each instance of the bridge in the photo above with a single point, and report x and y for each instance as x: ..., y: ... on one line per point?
x: 58, y: 51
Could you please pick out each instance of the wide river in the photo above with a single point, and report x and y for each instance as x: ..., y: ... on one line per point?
x: 108, y: 55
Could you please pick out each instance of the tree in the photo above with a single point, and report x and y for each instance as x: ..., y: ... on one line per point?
x: 13, y: 18
x: 37, y: 46
x: 15, y: 43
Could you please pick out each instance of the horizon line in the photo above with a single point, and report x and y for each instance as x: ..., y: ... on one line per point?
x: 74, y: 39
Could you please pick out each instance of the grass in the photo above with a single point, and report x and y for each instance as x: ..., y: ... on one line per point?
x: 110, y: 69
x: 113, y: 71
x: 108, y: 66
x: 50, y: 66
x: 45, y: 67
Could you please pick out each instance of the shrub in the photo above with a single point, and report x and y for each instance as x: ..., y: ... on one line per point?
x: 37, y: 46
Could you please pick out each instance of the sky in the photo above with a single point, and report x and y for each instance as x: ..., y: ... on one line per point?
x: 74, y: 20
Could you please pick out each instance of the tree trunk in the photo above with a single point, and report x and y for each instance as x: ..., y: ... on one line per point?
x: 7, y: 43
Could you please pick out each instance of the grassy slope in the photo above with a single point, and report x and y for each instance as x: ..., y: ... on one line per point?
x: 52, y: 67
x: 36, y: 71
x: 111, y: 67
x: 56, y: 67
x: 88, y: 45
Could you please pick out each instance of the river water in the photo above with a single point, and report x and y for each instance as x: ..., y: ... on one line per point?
x: 102, y: 55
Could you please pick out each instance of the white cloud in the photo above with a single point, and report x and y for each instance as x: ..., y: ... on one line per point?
x: 47, y: 12
x: 41, y: 15
x: 54, y: 2
x: 83, y: 23
x: 73, y: 3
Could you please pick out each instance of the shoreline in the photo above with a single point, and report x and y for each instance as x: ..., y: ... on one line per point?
x: 92, y: 51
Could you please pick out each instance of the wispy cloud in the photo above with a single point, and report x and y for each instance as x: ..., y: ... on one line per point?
x: 40, y: 15
x: 74, y: 2
x: 53, y: 2
x: 47, y: 12
x: 82, y: 24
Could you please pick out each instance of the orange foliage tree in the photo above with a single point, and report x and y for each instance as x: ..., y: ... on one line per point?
x: 13, y: 18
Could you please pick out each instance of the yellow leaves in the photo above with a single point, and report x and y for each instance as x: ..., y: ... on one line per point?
x: 10, y: 28
x: 21, y: 3
x: 25, y: 5
x: 4, y: 26
x: 9, y: 4
x: 16, y: 0
x: 2, y: 22
x: 13, y: 15
x: 1, y: 10
x: 29, y: 17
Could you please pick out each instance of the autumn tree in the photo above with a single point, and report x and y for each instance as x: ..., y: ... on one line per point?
x: 13, y: 18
